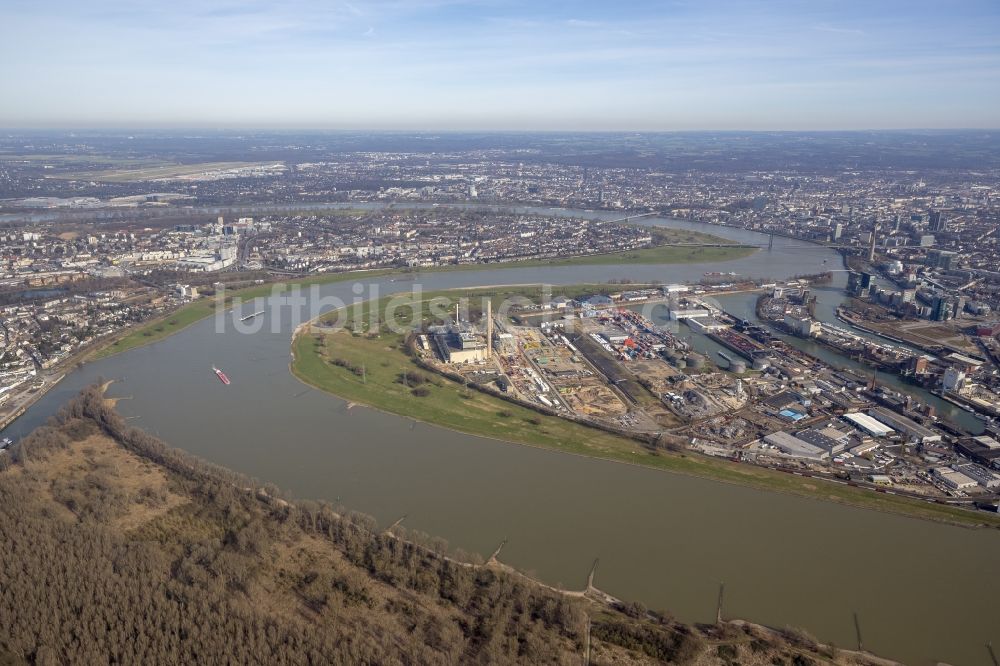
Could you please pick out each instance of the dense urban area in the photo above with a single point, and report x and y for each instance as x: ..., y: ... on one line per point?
x: 454, y: 332
x: 101, y: 235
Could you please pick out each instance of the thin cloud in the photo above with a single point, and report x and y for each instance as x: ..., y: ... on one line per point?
x: 480, y: 62
x: 840, y: 31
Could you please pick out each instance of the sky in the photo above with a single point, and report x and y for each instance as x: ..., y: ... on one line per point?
x: 500, y: 64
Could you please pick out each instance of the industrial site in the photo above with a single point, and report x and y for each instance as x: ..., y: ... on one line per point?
x: 624, y: 362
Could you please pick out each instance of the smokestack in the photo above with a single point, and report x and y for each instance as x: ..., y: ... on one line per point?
x: 489, y: 328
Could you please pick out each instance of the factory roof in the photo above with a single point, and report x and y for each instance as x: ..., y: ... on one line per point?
x: 868, y: 424
x: 792, y: 414
x: 782, y: 399
x: 599, y: 299
x: 907, y: 425
x: 818, y: 439
x: 833, y: 433
x: 987, y: 441
x: 964, y: 360
x: 793, y: 446
x: 956, y: 478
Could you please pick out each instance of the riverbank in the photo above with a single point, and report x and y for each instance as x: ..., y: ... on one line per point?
x: 366, y: 368
x: 693, y: 253
x: 210, y: 555
x: 861, y: 326
x: 673, y: 247
x: 23, y: 400
x: 663, y: 539
x: 177, y: 320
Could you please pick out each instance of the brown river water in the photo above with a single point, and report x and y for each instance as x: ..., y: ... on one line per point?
x: 923, y: 591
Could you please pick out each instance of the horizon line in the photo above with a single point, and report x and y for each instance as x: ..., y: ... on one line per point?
x: 417, y: 130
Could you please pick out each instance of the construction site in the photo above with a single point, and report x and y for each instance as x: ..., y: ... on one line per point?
x: 530, y: 364
x: 613, y: 366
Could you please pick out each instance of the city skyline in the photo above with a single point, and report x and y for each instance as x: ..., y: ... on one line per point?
x: 439, y: 65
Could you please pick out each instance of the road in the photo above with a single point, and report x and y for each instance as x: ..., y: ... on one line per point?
x: 24, y: 397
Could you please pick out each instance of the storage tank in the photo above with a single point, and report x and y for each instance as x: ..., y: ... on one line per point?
x: 695, y: 361
x: 738, y: 367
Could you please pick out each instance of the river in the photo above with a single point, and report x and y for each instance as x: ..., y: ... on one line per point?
x: 923, y: 591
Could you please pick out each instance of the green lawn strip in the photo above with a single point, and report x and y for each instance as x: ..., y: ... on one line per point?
x: 665, y: 251
x: 652, y: 255
x: 155, y: 330
x: 474, y: 297
x: 162, y: 327
x: 665, y: 254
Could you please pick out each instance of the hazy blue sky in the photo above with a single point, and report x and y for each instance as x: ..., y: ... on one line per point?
x: 500, y: 64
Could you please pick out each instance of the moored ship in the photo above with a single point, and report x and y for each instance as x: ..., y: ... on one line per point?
x: 221, y: 375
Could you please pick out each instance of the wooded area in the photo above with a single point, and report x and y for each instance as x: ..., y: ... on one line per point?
x: 118, y: 549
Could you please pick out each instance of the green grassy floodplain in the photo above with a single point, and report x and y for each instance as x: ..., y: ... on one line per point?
x: 161, y: 327
x: 452, y: 405
x: 195, y: 311
x: 663, y: 254
x: 664, y: 251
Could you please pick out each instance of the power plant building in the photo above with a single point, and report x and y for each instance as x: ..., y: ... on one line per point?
x: 461, y: 342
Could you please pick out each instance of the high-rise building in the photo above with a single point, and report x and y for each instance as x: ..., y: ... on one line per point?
x: 838, y: 231
x: 937, y: 221
x: 858, y: 284
x: 943, y: 308
x: 959, y: 306
x: 940, y: 258
x: 871, y: 248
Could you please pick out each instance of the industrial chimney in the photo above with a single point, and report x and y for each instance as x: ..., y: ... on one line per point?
x: 489, y: 328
